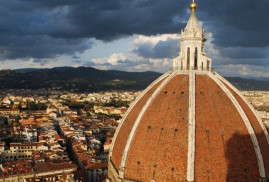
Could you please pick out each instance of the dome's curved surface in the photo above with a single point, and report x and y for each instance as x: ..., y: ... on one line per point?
x: 230, y: 142
x: 190, y: 125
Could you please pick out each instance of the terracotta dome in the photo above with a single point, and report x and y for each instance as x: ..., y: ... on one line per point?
x: 190, y: 125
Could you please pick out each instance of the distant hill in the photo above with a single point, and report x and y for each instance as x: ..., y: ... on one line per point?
x: 82, y: 79
x: 249, y: 84
x: 85, y: 79
x: 25, y: 70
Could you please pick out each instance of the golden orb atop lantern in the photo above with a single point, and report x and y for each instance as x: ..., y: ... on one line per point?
x: 193, y: 6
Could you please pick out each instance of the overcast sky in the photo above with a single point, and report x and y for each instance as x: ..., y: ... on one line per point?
x: 132, y: 35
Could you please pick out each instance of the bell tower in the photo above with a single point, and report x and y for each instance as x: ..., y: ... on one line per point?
x: 192, y: 39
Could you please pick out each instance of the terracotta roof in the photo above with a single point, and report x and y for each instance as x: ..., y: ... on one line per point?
x: 108, y: 141
x: 58, y: 137
x: 38, y: 158
x: 53, y: 107
x: 94, y: 127
x: 48, y: 166
x: 52, y: 112
x: 9, y: 110
x: 91, y: 166
x: 224, y: 149
x: 257, y: 128
x: 24, y: 144
x: 162, y: 135
x: 127, y: 125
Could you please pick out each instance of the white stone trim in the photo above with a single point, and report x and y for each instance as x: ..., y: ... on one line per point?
x: 249, y: 105
x: 131, y: 107
x: 191, y: 128
x: 247, y: 123
x: 138, y: 119
x: 199, y: 72
x: 187, y: 72
x: 182, y: 72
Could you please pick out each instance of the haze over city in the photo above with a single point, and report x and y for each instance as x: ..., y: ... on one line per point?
x: 137, y: 35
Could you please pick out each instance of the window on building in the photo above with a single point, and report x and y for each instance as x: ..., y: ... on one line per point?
x: 196, y: 58
x: 188, y: 58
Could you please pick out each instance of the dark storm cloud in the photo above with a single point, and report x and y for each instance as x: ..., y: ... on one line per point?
x: 163, y: 49
x: 249, y: 62
x: 41, y: 62
x: 39, y: 29
x: 48, y: 28
x: 237, y: 23
x: 234, y: 23
x: 245, y: 53
x: 104, y: 20
x: 77, y: 61
x: 130, y: 18
x: 14, y: 47
x: 75, y: 57
x: 252, y: 56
